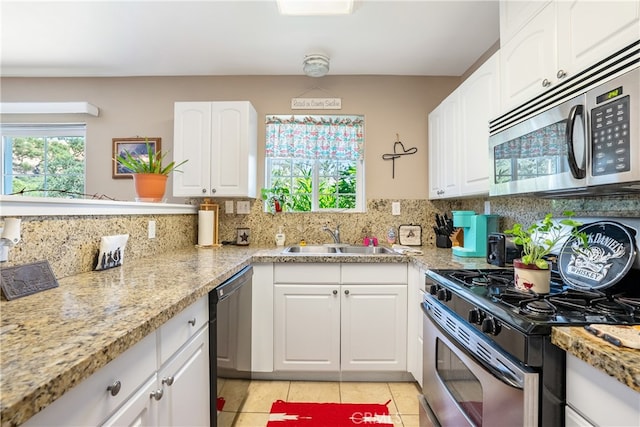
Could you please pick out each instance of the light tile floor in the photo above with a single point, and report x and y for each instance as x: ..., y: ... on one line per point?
x: 255, y: 410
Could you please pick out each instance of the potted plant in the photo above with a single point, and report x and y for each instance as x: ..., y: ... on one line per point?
x: 149, y: 175
x: 277, y: 198
x: 532, y: 270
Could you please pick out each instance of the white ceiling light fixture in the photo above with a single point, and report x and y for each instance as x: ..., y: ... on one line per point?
x: 315, y: 65
x: 315, y: 7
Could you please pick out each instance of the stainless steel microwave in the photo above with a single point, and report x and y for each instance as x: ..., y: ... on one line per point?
x: 586, y: 143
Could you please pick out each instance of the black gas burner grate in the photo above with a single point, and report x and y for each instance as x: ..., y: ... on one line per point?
x: 563, y: 304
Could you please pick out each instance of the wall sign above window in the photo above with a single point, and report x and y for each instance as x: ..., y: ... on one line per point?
x: 316, y: 103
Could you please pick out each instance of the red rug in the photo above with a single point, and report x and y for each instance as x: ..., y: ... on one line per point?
x: 290, y: 414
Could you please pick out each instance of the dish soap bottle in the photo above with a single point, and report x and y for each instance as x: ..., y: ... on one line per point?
x: 391, y: 236
x: 280, y: 237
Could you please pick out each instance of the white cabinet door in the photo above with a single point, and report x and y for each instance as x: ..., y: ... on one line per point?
x: 514, y: 15
x: 444, y: 149
x: 234, y: 149
x: 435, y: 136
x: 139, y: 410
x: 374, y: 327
x: 184, y: 382
x: 589, y: 31
x: 528, y: 62
x: 479, y: 103
x: 192, y: 142
x: 219, y: 140
x: 307, y: 327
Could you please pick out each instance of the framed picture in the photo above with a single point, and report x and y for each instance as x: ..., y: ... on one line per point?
x: 135, y: 146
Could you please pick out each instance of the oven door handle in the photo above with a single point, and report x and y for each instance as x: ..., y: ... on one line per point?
x: 576, y: 171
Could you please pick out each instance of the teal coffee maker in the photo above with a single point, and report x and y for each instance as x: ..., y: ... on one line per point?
x: 476, y: 228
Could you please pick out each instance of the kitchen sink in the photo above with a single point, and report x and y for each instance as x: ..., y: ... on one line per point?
x: 338, y: 249
x: 311, y: 249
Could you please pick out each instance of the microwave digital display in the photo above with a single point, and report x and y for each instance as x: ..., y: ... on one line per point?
x: 609, y: 95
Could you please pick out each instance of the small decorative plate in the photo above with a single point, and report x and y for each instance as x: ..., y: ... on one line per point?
x: 410, y: 235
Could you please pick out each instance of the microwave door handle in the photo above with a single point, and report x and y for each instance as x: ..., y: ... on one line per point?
x: 576, y: 171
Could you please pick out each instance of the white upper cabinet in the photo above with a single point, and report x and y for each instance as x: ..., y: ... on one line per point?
x: 459, y: 135
x: 589, y: 31
x: 444, y: 142
x: 219, y: 139
x: 544, y: 43
x: 479, y: 103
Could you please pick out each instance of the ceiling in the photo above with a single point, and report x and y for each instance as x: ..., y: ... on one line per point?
x: 179, y: 38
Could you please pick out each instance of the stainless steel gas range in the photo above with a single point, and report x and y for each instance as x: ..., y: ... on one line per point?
x: 488, y: 358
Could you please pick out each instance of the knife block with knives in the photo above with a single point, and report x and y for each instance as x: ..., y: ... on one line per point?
x: 443, y: 229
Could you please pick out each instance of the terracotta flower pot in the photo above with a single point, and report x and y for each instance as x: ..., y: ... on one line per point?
x: 528, y: 277
x: 150, y: 187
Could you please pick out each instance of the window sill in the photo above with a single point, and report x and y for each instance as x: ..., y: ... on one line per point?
x: 37, y: 206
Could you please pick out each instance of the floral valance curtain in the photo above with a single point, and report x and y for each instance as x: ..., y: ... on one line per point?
x: 330, y: 137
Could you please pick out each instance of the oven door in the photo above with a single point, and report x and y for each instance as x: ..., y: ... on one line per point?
x: 460, y: 389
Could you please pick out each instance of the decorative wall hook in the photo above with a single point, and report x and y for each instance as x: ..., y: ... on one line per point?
x: 398, y: 151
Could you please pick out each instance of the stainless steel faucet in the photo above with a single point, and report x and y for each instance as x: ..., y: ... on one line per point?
x: 334, y: 233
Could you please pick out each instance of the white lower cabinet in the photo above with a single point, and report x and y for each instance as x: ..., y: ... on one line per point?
x: 349, y: 317
x: 596, y: 399
x: 414, y: 326
x: 144, y: 386
x: 184, y: 384
x: 139, y: 410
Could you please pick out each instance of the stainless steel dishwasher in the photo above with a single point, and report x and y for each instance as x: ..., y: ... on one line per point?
x: 230, y: 346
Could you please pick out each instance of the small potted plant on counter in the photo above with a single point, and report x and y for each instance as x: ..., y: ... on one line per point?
x: 277, y: 198
x: 532, y: 270
x: 149, y: 176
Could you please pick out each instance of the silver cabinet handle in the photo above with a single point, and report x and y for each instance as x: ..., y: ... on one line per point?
x: 114, y: 388
x: 335, y: 292
x: 192, y: 322
x: 561, y: 74
x: 157, y: 395
x: 204, y: 191
x: 546, y: 83
x: 168, y: 381
x: 213, y: 191
x: 346, y: 291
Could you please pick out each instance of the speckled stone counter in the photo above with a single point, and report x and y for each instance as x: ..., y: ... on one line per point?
x: 51, y: 341
x: 618, y: 362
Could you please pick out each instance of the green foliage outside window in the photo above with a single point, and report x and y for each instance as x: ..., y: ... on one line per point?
x: 46, y: 164
x: 292, y: 184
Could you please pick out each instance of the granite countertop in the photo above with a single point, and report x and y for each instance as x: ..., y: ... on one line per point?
x: 51, y: 341
x: 619, y: 362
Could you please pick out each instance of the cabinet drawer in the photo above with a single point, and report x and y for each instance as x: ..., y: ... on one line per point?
x: 306, y: 273
x: 90, y: 403
x: 180, y: 328
x: 368, y: 274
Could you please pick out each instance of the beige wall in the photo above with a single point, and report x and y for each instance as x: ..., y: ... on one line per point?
x: 143, y: 106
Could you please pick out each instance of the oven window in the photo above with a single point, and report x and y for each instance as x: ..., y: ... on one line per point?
x: 462, y: 384
x: 539, y: 153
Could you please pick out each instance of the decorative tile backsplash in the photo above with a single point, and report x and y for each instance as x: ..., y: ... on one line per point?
x: 70, y: 243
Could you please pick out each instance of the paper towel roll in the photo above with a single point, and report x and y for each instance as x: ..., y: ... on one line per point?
x: 205, y: 228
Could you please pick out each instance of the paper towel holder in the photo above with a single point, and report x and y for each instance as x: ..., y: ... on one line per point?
x: 9, y: 236
x: 208, y: 206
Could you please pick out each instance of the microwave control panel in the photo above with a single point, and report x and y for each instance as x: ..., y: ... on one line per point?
x: 610, y: 137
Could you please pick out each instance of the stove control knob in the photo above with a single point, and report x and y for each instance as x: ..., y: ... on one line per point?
x: 491, y: 326
x: 444, y: 294
x: 432, y: 289
x: 476, y: 316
